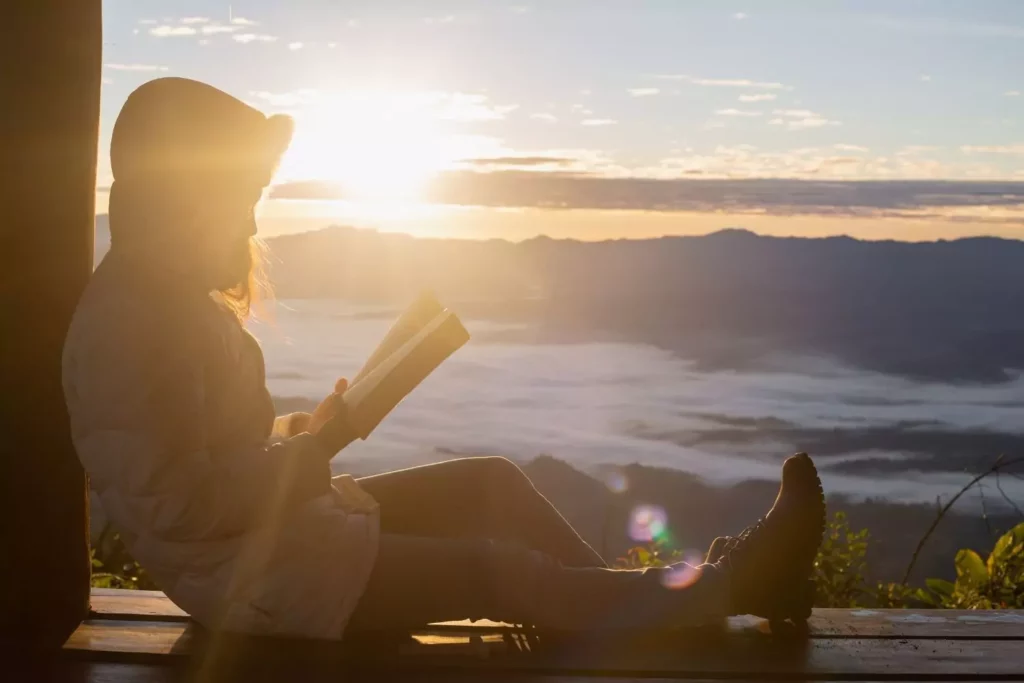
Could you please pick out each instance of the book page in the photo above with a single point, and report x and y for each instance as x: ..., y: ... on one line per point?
x: 374, y: 396
x: 412, y: 320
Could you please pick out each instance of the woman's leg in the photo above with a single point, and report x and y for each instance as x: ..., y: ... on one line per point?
x: 484, y: 498
x: 417, y: 581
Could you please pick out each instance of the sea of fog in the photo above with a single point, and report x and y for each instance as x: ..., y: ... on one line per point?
x: 598, y: 404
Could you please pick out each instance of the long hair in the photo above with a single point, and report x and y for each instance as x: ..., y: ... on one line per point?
x: 249, y: 297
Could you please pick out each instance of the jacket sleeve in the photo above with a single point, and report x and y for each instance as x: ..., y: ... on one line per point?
x: 138, y: 414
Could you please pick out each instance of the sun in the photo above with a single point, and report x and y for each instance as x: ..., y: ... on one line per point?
x: 377, y: 147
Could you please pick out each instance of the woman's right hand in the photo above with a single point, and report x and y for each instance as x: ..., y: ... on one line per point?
x: 328, y: 407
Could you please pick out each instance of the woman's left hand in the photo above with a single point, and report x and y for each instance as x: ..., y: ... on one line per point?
x: 328, y: 407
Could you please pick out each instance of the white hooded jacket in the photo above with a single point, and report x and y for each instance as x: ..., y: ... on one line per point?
x: 173, y: 422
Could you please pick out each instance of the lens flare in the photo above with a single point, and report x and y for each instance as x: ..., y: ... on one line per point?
x: 685, y: 573
x: 616, y: 481
x: 647, y: 523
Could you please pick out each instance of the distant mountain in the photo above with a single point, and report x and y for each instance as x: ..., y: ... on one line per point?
x: 946, y: 310
x: 950, y: 310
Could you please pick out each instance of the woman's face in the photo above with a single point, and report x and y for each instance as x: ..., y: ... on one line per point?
x: 224, y: 228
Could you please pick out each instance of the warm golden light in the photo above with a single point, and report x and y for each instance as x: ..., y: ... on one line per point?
x: 380, y: 147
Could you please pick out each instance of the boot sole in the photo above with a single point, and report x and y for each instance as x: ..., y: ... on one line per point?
x: 799, y: 609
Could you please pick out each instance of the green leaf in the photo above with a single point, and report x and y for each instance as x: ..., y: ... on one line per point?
x: 1004, y: 544
x: 970, y: 567
x: 940, y: 586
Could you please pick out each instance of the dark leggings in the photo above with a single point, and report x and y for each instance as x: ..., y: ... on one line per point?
x: 474, y: 539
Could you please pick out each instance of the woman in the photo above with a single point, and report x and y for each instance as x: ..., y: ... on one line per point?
x: 234, y: 513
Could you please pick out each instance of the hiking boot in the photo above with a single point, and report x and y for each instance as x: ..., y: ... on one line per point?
x: 770, y: 562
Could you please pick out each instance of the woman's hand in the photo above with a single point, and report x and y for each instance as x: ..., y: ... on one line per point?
x: 328, y: 407
x: 329, y: 423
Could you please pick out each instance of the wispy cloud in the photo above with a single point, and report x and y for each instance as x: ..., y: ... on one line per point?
x: 800, y: 119
x: 242, y: 21
x: 521, y: 9
x: 254, y: 37
x: 195, y: 20
x: 599, y: 122
x: 643, y: 92
x: 135, y: 67
x: 925, y: 78
x: 148, y: 22
x: 520, y: 161
x: 740, y: 16
x: 1011, y: 93
x: 543, y: 116
x: 447, y: 19
x: 167, y: 31
x: 842, y: 147
x: 295, y: 46
x: 993, y: 149
x: 725, y: 82
x: 737, y: 112
x: 210, y: 29
x: 758, y: 97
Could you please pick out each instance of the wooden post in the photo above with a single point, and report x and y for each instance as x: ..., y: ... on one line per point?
x: 50, y: 63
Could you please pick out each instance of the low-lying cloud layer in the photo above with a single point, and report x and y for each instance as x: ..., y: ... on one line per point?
x: 997, y: 202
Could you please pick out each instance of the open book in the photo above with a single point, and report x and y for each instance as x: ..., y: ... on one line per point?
x: 419, y: 341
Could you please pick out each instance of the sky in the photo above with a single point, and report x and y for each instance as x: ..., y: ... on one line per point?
x: 599, y: 119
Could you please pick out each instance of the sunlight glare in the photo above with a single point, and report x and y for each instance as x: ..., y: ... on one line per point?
x: 381, y: 148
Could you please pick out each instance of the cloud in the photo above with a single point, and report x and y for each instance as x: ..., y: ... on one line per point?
x: 520, y: 161
x: 295, y: 46
x: 521, y: 9
x: 211, y: 29
x: 849, y: 148
x: 778, y: 196
x: 135, y: 67
x: 148, y: 22
x: 1011, y: 93
x: 925, y: 78
x: 737, y: 112
x: 167, y: 31
x: 811, y: 122
x: 242, y: 21
x: 801, y: 113
x: 643, y: 92
x: 758, y: 97
x: 106, y: 81
x: 448, y: 19
x: 195, y: 20
x: 599, y: 122
x: 543, y: 116
x: 725, y: 82
x: 253, y: 37
x: 740, y: 16
x: 911, y: 150
x: 800, y: 119
x: 468, y: 107
x: 993, y: 149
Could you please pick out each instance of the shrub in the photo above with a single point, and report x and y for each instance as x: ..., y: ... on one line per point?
x: 995, y: 583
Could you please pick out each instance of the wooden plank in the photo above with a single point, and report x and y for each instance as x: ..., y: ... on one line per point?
x: 102, y: 672
x: 832, y: 623
x: 130, y: 604
x: 896, y: 623
x: 671, y: 656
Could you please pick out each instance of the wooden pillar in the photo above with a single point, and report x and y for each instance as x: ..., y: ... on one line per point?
x: 50, y: 63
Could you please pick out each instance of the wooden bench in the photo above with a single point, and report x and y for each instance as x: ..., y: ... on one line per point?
x: 141, y: 636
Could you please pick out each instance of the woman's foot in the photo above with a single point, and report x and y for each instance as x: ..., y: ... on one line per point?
x: 770, y: 563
